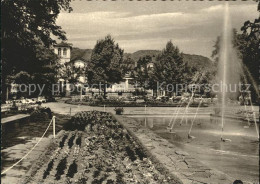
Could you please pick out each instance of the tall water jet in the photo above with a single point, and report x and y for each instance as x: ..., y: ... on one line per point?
x: 224, y: 79
x: 228, y: 68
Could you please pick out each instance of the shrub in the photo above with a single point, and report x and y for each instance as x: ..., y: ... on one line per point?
x: 40, y: 114
x: 37, y: 115
x: 119, y: 110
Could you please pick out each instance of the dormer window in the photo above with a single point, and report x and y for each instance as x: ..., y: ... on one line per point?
x: 59, y: 51
x: 64, y: 52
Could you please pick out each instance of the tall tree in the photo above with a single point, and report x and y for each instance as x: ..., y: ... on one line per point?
x: 128, y: 65
x: 248, y: 44
x: 248, y: 50
x: 252, y: 29
x: 70, y: 72
x: 106, y: 59
x: 170, y: 68
x: 142, y: 72
x: 45, y: 69
x: 26, y: 25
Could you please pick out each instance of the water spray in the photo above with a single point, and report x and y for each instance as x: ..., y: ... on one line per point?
x: 225, y: 51
x: 195, y: 78
x: 256, y: 127
x: 176, y: 113
x: 183, y: 114
x: 189, y: 136
x: 188, y: 105
x: 177, y: 110
x: 254, y: 116
x: 246, y: 117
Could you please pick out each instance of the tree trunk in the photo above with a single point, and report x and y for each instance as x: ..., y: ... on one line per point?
x: 105, y: 88
x: 90, y: 90
x: 4, y: 93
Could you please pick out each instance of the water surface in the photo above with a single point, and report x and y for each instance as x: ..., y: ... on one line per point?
x: 239, y: 158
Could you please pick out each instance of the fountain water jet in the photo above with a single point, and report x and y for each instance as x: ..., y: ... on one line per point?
x: 254, y: 116
x: 174, y: 118
x: 256, y: 89
x: 182, y: 115
x: 224, y: 68
x: 229, y: 70
x: 229, y: 62
x: 189, y: 136
x: 247, y: 118
x: 169, y: 127
x: 176, y: 113
x: 188, y: 105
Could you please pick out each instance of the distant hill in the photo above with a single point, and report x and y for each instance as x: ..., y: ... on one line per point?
x: 78, y: 53
x: 197, y: 61
x: 141, y: 53
x: 193, y: 60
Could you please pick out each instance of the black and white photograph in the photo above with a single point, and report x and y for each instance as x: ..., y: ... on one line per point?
x: 130, y: 91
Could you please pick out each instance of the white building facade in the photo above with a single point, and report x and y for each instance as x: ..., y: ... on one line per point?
x: 80, y: 64
x: 63, y: 50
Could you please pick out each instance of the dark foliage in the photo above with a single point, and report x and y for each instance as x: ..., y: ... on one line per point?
x: 61, y: 168
x: 73, y: 169
x: 26, y: 28
x: 49, y: 168
x: 104, y: 66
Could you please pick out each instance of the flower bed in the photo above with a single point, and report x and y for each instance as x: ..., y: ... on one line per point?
x: 120, y: 103
x: 96, y: 148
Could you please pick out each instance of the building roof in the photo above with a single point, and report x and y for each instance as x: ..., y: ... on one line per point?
x: 63, y: 44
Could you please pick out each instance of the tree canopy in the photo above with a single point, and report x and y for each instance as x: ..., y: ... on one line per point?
x: 106, y: 59
x: 27, y: 30
x: 142, y: 72
x: 170, y: 67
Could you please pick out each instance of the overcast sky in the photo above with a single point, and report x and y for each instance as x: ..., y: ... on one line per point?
x: 192, y: 26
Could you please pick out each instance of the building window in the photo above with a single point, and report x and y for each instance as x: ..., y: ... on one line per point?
x: 59, y: 51
x: 64, y: 52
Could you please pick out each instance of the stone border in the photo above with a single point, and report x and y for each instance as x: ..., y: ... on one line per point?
x: 179, y: 163
x: 158, y: 165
